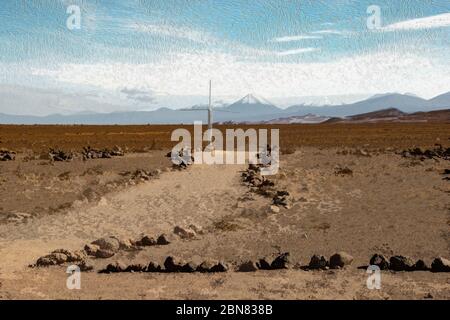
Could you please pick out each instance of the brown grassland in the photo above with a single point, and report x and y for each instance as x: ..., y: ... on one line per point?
x: 138, y: 138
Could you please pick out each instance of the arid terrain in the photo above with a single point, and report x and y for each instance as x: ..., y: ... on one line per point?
x: 340, y: 187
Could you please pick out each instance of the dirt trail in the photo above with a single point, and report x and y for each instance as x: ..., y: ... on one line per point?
x: 197, y: 195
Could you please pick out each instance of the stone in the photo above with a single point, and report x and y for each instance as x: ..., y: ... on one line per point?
x: 184, y: 233
x: 318, y: 262
x: 147, y: 241
x: 264, y: 264
x: 196, y: 228
x: 380, y: 261
x: 117, y: 266
x: 401, y: 263
x: 274, y: 209
x: 6, y: 155
x: 154, y: 267
x: 248, y: 266
x: 84, y: 266
x: 340, y: 260
x: 163, y: 240
x: 46, y: 261
x: 136, y: 268
x: 189, y: 267
x: 211, y: 265
x: 440, y: 264
x: 108, y: 243
x: 173, y: 264
x: 281, y: 261
x: 91, y: 249
x: 421, y: 265
x: 104, y: 254
x: 126, y: 244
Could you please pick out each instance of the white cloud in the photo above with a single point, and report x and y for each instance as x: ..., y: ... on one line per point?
x: 294, y: 38
x: 331, y: 31
x: 437, y: 21
x: 188, y: 74
x: 297, y: 51
x: 175, y: 32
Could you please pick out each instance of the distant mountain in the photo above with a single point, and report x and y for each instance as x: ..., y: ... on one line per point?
x: 309, y: 118
x: 395, y: 115
x: 250, y: 109
x: 443, y: 100
x: 252, y: 105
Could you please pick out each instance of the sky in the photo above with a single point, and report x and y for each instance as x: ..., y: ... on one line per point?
x: 141, y: 55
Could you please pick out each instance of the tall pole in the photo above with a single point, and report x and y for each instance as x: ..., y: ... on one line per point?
x: 210, y: 113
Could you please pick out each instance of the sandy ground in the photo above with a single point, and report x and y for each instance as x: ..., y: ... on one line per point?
x: 389, y: 205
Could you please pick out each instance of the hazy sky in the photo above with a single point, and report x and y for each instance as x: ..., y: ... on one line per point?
x: 139, y: 51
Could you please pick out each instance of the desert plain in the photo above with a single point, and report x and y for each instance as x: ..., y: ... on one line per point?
x: 351, y: 188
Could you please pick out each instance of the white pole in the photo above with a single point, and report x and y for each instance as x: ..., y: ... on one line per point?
x: 210, y: 119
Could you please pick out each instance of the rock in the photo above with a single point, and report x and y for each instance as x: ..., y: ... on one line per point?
x: 281, y: 262
x: 401, y: 263
x: 18, y: 217
x: 184, y: 233
x: 71, y: 256
x: 84, y: 266
x: 104, y: 254
x: 318, y: 262
x: 126, y: 244
x: 153, y: 267
x: 380, y: 261
x: 274, y: 209
x: 340, y: 259
x: 264, y: 264
x: 173, y: 264
x: 281, y: 199
x: 147, y: 241
x: 163, y: 240
x: 219, y: 267
x: 117, y: 266
x: 440, y: 265
x: 136, y: 268
x: 421, y: 265
x: 6, y: 155
x: 211, y: 265
x: 91, y: 249
x: 59, y: 155
x: 248, y: 266
x: 189, y: 267
x: 196, y: 228
x: 108, y: 243
x: 45, y: 261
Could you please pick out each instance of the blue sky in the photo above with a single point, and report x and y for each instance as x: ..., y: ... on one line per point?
x: 143, y: 51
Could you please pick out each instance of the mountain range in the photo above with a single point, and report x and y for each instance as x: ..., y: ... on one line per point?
x: 247, y: 109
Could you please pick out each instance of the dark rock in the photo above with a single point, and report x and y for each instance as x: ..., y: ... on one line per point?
x: 147, y: 241
x: 264, y: 264
x: 421, y: 265
x: 189, y: 267
x: 380, y: 261
x: 153, y: 267
x: 136, y: 268
x: 6, y: 155
x: 340, y: 259
x: 248, y: 266
x: 318, y: 262
x: 115, y: 267
x: 173, y: 264
x: 440, y: 265
x: 163, y: 240
x: 281, y: 262
x: 212, y: 265
x: 401, y: 263
x: 59, y: 155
